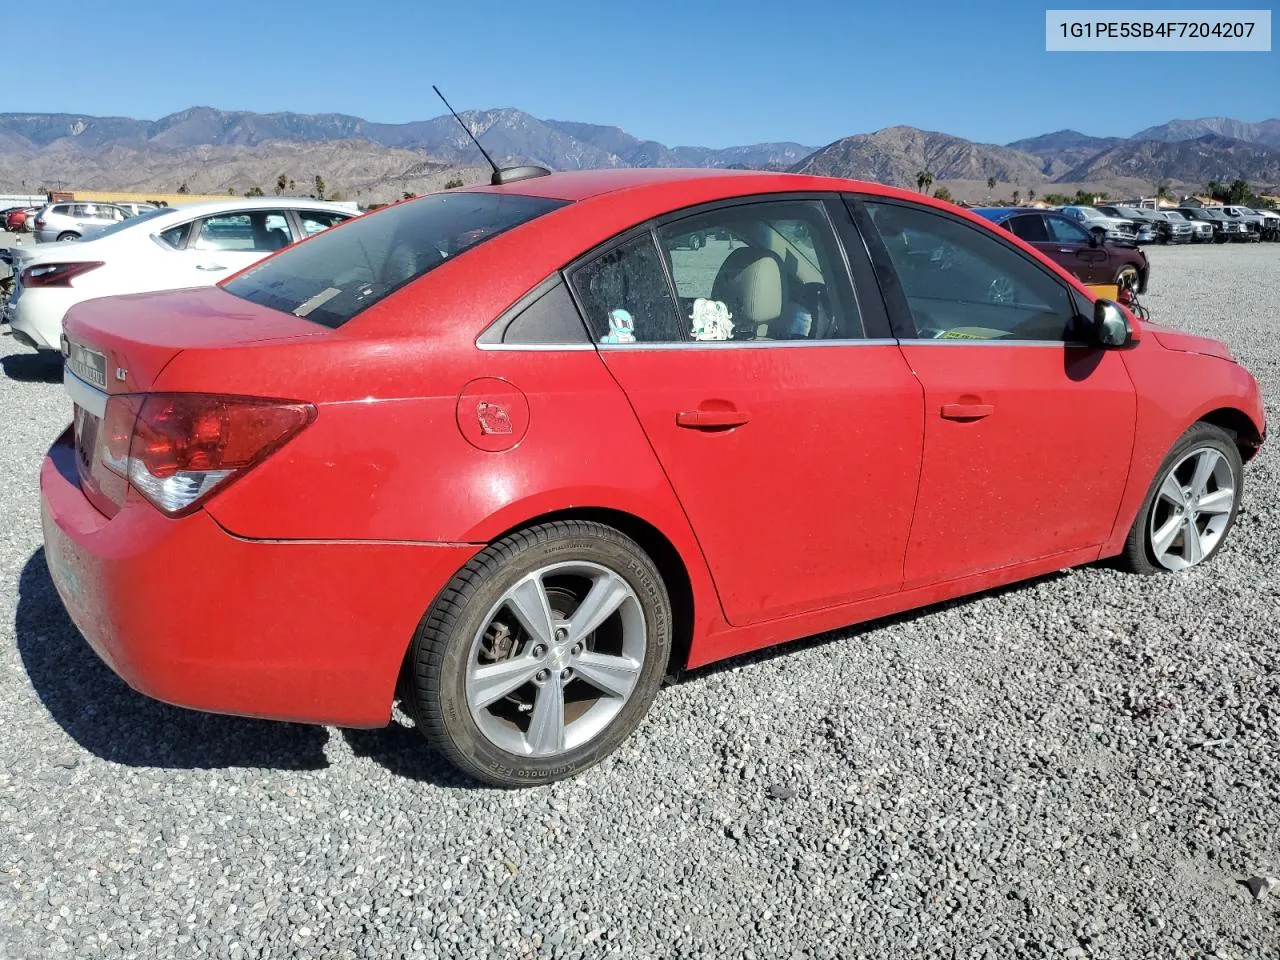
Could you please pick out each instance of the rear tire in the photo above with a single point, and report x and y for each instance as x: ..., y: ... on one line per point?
x: 1180, y: 501
x: 1128, y: 274
x: 518, y: 676
x: 68, y: 235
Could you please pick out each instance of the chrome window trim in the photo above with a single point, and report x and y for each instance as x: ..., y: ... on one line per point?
x: 535, y: 347
x: 83, y: 394
x: 748, y: 344
x: 965, y: 342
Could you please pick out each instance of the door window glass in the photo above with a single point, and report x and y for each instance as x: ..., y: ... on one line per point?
x: 761, y: 271
x: 314, y: 221
x: 176, y: 237
x: 258, y: 231
x: 1029, y: 227
x: 962, y: 282
x: 625, y: 295
x: 1063, y: 230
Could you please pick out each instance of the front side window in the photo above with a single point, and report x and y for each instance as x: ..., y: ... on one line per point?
x: 336, y: 275
x: 1062, y: 230
x: 258, y: 231
x: 961, y: 282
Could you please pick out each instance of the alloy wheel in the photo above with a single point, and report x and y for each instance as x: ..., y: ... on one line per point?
x: 556, y: 660
x: 1192, y: 509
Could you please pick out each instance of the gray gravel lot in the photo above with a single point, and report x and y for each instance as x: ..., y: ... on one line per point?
x: 1087, y: 765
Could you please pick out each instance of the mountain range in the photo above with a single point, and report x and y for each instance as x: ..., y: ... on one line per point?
x: 217, y: 151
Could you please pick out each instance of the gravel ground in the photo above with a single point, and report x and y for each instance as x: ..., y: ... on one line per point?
x: 1086, y: 765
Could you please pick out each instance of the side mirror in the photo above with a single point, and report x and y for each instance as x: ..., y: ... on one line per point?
x: 1095, y: 239
x: 1110, y: 325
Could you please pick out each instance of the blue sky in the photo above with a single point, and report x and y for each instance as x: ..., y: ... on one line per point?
x: 706, y: 72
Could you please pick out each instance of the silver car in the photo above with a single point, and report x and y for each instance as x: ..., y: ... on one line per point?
x: 133, y: 207
x: 68, y: 220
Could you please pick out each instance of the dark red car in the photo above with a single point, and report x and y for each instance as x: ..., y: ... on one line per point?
x: 512, y: 453
x: 1083, y: 254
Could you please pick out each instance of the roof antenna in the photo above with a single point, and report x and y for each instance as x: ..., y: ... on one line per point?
x: 500, y: 176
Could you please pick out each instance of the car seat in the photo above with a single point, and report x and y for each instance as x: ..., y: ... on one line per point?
x: 751, y: 282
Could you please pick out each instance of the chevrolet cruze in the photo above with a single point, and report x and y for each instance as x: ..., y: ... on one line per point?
x: 511, y: 454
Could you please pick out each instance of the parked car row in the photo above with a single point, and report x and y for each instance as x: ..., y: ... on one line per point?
x: 162, y: 248
x: 1189, y: 224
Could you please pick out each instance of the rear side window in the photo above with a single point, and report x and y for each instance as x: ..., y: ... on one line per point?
x: 337, y: 274
x: 1029, y: 227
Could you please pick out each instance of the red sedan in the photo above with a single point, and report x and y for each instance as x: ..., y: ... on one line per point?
x: 513, y: 453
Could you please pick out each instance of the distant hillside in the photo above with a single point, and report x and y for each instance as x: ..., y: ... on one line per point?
x: 1198, y: 161
x: 508, y: 134
x: 895, y: 154
x: 1065, y: 149
x: 220, y: 150
x: 1266, y: 133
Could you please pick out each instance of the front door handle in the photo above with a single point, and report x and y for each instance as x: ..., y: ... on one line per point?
x: 210, y: 266
x: 966, y: 411
x: 711, y: 419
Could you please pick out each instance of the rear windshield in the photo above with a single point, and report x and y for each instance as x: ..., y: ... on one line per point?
x: 338, y: 273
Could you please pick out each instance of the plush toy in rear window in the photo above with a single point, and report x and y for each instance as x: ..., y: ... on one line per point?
x: 622, y: 328
x: 711, y: 320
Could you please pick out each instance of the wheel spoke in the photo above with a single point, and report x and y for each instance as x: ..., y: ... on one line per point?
x: 1172, y: 491
x: 1192, y: 549
x: 528, y: 601
x: 546, y: 726
x: 1205, y: 462
x: 494, y: 681
x: 1162, y: 538
x: 615, y: 676
x: 1219, y: 501
x: 606, y: 595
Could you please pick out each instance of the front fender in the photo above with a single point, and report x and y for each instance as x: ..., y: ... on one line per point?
x: 1174, y: 390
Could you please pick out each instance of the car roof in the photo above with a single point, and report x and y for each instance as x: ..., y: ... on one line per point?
x: 578, y: 185
x: 999, y: 214
x: 232, y: 204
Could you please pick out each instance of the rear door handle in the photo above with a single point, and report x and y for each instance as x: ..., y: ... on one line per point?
x: 966, y: 411
x: 210, y: 266
x: 711, y: 419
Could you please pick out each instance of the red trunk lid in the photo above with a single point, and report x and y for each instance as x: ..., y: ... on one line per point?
x: 120, y: 344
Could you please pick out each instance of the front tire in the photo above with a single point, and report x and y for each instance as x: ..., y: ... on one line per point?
x: 542, y: 654
x: 1191, y: 506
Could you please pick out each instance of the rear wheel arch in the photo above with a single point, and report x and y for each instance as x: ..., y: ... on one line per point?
x: 668, y: 559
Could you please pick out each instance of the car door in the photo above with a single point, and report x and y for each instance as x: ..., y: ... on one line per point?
x: 1028, y: 429
x: 225, y: 243
x: 1087, y: 258
x: 784, y: 416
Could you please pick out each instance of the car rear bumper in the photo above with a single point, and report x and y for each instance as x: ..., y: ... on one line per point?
x: 36, y: 316
x: 186, y: 613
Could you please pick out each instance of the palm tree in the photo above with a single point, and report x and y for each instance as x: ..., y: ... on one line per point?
x: 1162, y: 191
x: 924, y: 180
x: 991, y: 183
x: 1031, y: 195
x: 1016, y: 194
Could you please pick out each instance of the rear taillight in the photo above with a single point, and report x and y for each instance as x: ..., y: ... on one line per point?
x: 56, y: 274
x: 176, y: 449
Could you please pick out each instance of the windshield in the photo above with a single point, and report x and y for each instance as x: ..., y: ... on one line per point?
x: 131, y: 222
x: 1090, y: 213
x: 1173, y: 215
x: 341, y: 272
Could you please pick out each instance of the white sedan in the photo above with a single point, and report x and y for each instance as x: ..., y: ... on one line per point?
x: 164, y: 249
